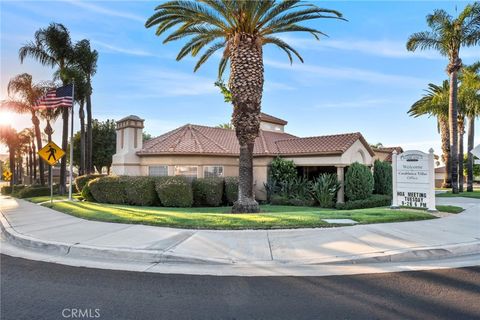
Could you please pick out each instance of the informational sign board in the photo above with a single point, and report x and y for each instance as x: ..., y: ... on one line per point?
x: 51, y: 153
x: 476, y: 152
x: 7, y: 175
x: 413, y: 180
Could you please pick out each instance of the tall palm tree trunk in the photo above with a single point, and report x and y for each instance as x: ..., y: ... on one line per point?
x: 38, y: 136
x: 81, y: 113
x: 470, y: 138
x: 452, y: 70
x: 49, y: 132
x: 461, y: 132
x: 89, y: 142
x: 63, y: 163
x: 246, y: 86
x: 445, y: 136
x: 34, y: 152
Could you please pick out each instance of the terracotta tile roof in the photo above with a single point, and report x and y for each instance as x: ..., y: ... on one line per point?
x: 268, y: 118
x: 388, y: 150
x: 196, y: 139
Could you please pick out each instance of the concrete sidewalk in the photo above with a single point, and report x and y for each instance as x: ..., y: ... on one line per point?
x: 28, y: 225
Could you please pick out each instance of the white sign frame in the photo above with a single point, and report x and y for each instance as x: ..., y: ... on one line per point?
x: 413, y: 178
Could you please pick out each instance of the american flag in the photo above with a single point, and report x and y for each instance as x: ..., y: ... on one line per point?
x: 55, y: 98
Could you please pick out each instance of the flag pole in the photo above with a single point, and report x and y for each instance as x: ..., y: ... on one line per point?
x: 71, y: 146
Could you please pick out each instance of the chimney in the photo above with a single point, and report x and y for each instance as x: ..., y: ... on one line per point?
x: 129, y: 141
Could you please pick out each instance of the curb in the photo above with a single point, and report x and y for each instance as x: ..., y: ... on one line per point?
x: 156, y: 256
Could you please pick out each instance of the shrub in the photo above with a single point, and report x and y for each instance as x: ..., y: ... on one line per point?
x: 6, y: 190
x: 140, y: 191
x: 382, y: 177
x: 325, y: 189
x: 35, y: 191
x: 282, y: 170
x: 231, y: 190
x: 174, y: 191
x: 81, y: 181
x: 358, y: 182
x: 87, y: 194
x: 280, y: 200
x: 375, y: 200
x: 207, y: 191
x: 108, y: 189
x: 295, y: 188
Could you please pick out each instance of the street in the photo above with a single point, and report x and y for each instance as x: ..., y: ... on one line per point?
x: 39, y: 290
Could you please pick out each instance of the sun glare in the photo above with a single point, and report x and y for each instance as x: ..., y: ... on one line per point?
x: 6, y: 118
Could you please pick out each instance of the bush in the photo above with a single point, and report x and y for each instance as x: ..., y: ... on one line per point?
x: 325, y: 189
x: 375, y: 200
x: 207, y: 192
x: 35, y: 191
x: 6, y: 190
x: 108, y: 189
x: 140, y: 191
x: 231, y: 190
x: 358, y: 182
x: 282, y: 170
x: 280, y: 200
x: 87, y: 194
x: 174, y: 191
x: 81, y: 181
x: 382, y: 177
x: 295, y: 188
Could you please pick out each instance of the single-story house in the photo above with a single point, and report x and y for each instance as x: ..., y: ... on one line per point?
x: 198, y: 151
x: 385, y: 153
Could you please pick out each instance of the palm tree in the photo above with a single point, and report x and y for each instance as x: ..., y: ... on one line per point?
x: 241, y: 28
x: 52, y: 46
x: 9, y: 137
x: 23, y: 94
x: 447, y: 36
x: 86, y: 61
x: 435, y: 103
x: 470, y: 92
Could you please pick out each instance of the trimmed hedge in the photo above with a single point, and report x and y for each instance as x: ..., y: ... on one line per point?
x: 231, y: 190
x: 109, y: 189
x: 140, y: 191
x: 358, y: 182
x: 174, y: 191
x: 208, y: 192
x: 81, y: 181
x: 382, y: 177
x: 7, y: 190
x: 280, y: 200
x: 87, y: 194
x: 375, y: 200
x: 35, y: 191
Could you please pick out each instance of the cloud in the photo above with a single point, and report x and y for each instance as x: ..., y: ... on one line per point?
x: 112, y: 48
x: 349, y: 73
x: 109, y: 12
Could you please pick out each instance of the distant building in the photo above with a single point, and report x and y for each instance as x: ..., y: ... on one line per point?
x: 198, y: 151
x: 385, y: 153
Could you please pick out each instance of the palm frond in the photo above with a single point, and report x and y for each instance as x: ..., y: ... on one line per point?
x: 284, y: 46
x: 208, y: 54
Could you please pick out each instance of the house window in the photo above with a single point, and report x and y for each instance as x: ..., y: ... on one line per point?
x: 213, y: 171
x: 158, y: 171
x: 188, y: 171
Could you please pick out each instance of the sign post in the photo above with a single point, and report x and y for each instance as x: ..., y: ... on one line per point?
x: 413, y: 180
x: 51, y: 153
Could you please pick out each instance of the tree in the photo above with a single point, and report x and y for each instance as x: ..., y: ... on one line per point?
x: 9, y: 137
x: 86, y: 61
x: 227, y: 125
x: 23, y: 94
x: 435, y: 103
x: 104, y: 144
x: 470, y: 92
x: 242, y: 28
x: 146, y: 136
x: 52, y: 46
x: 447, y: 36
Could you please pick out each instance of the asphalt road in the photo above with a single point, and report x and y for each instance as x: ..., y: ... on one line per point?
x: 38, y: 290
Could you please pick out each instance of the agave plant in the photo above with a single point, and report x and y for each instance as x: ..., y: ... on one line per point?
x: 325, y: 189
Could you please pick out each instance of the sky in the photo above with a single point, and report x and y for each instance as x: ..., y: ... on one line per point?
x: 358, y: 79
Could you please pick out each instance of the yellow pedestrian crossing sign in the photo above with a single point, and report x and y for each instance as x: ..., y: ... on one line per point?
x: 51, y: 153
x: 7, y: 175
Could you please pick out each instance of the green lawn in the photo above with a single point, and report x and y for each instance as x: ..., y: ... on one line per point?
x: 475, y: 194
x: 271, y: 217
x: 449, y: 209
